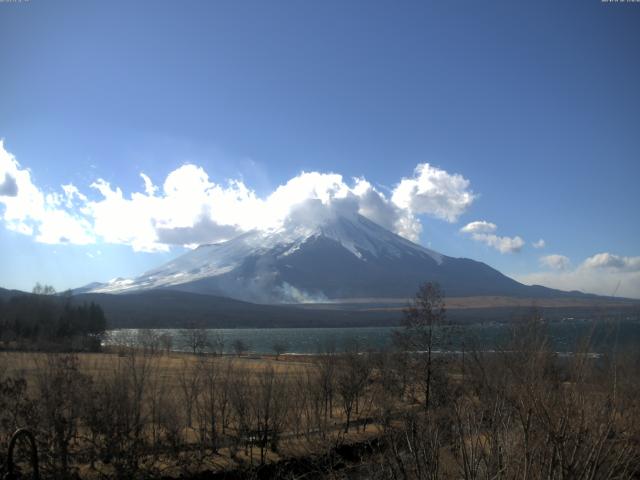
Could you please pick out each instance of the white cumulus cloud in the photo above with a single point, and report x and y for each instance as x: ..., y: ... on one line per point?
x: 29, y: 211
x: 602, y: 273
x: 613, y: 262
x: 187, y: 208
x: 480, y: 226
x: 483, y: 231
x: 556, y: 262
x: 502, y: 244
x: 434, y: 192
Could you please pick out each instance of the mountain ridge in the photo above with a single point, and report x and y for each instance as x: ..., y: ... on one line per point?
x: 322, y: 261
x: 164, y: 308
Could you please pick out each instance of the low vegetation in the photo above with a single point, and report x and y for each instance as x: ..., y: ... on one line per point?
x: 521, y: 412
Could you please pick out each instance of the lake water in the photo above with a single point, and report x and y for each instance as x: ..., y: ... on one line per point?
x: 564, y: 337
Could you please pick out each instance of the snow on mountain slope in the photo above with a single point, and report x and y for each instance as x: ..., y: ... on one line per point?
x: 338, y: 257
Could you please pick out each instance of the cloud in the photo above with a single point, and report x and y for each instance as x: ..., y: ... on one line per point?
x: 71, y: 195
x: 479, y: 227
x: 149, y: 187
x: 203, y: 231
x: 378, y: 208
x: 502, y: 244
x: 187, y: 208
x: 556, y: 262
x: 8, y: 187
x: 434, y: 192
x: 539, y: 244
x: 602, y: 274
x: 31, y: 212
x: 483, y: 231
x: 613, y: 262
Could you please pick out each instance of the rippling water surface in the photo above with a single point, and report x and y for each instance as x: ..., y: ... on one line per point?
x: 564, y: 336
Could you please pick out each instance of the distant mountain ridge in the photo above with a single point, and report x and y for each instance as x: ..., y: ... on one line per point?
x: 162, y: 308
x: 341, y: 257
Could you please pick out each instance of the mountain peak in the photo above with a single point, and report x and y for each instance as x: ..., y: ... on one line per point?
x: 325, y: 258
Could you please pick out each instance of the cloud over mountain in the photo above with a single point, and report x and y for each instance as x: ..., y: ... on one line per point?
x: 434, y: 192
x: 603, y: 273
x: 188, y: 208
x: 613, y: 262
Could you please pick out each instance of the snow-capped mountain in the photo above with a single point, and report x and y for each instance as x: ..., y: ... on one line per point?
x: 340, y: 258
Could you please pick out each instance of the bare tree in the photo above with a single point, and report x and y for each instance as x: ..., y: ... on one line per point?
x: 17, y: 409
x: 148, y: 340
x: 39, y: 289
x: 166, y: 342
x: 421, y: 319
x: 223, y: 393
x: 189, y: 381
x: 116, y: 415
x: 241, y: 396
x: 269, y: 409
x: 388, y: 388
x: 208, y: 404
x: 61, y: 388
x: 197, y: 340
x: 352, y: 376
x: 217, y: 343
x: 327, y: 367
x: 279, y: 347
x: 240, y: 346
x: 516, y: 411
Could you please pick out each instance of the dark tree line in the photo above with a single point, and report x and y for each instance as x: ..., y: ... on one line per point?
x: 43, y: 320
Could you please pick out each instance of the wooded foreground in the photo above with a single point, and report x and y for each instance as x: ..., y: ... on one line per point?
x: 518, y: 412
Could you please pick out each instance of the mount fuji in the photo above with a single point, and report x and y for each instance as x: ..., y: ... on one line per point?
x: 337, y: 259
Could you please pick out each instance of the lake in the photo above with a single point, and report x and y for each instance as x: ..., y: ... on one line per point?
x: 564, y: 337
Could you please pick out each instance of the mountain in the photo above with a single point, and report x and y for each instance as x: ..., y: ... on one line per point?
x: 340, y: 258
x: 7, y: 294
x: 175, y: 309
x: 162, y: 308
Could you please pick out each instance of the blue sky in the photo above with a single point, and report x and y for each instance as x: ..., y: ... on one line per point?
x: 530, y: 108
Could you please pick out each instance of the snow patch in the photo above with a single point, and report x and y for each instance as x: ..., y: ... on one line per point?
x: 363, y: 238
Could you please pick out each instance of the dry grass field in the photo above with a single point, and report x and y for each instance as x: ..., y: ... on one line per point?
x: 171, y: 365
x: 523, y: 412
x: 189, y: 412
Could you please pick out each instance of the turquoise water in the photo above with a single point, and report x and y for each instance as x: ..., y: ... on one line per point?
x: 564, y: 337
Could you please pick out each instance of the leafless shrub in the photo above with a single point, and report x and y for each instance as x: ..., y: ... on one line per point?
x: 116, y: 416
x: 413, y: 449
x: 269, y: 406
x: 166, y: 342
x: 17, y: 410
x: 148, y: 340
x: 521, y: 411
x: 197, y: 340
x: 421, y: 321
x: 207, y: 404
x: 279, y: 347
x: 240, y: 346
x: 61, y: 391
x: 189, y: 381
x: 352, y: 377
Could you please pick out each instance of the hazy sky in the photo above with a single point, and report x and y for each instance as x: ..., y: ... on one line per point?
x: 477, y: 128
